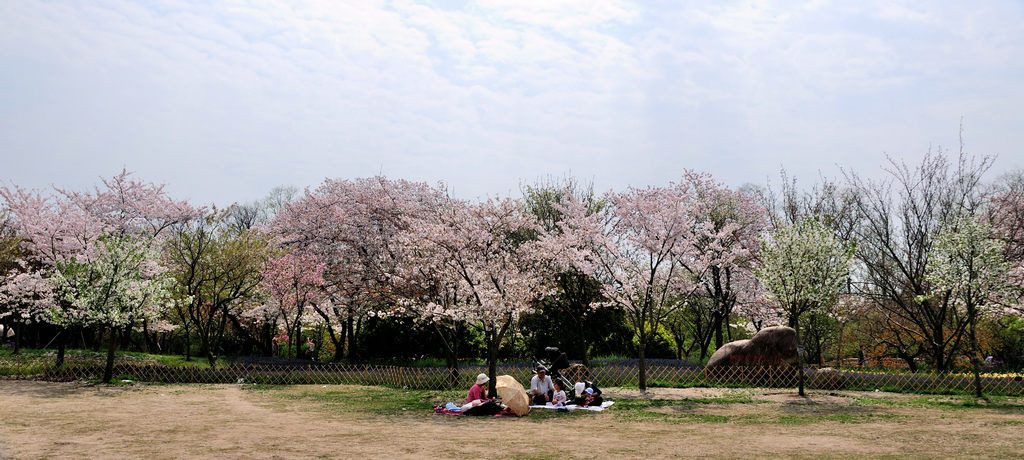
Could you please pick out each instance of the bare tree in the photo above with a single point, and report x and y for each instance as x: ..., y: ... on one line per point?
x: 898, y: 219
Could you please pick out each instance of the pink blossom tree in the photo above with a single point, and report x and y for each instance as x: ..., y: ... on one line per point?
x: 724, y: 240
x: 64, y: 228
x: 636, y: 246
x: 352, y: 226
x: 25, y: 298
x: 576, y: 296
x: 1007, y: 217
x: 295, y: 280
x: 487, y: 268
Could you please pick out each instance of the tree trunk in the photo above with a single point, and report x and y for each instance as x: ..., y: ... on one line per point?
x: 717, y: 324
x: 975, y: 359
x: 586, y: 351
x: 680, y: 341
x: 911, y: 364
x: 450, y: 337
x: 126, y: 336
x: 108, y: 371
x: 728, y: 329
x: 149, y: 340
x: 17, y: 338
x: 61, y: 345
x: 188, y: 344
x: 333, y: 336
x: 339, y: 348
x: 492, y: 362
x: 643, y: 364
x: 452, y: 363
x: 800, y: 355
x: 353, y: 345
x: 211, y: 358
x: 939, y: 352
x: 298, y: 340
x: 839, y: 348
x: 351, y: 335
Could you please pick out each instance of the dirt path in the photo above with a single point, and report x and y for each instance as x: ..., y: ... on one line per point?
x: 67, y: 420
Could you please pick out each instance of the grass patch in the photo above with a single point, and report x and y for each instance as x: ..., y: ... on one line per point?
x: 804, y: 419
x: 947, y: 403
x: 366, y: 400
x: 639, y: 403
x: 48, y: 356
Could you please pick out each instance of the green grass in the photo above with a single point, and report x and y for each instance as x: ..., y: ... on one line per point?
x: 947, y: 403
x: 367, y: 400
x: 387, y: 402
x: 46, y: 356
x: 169, y: 360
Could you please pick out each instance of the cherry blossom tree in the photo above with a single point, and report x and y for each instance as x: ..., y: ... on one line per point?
x: 727, y: 225
x: 65, y: 228
x: 636, y: 246
x: 428, y: 294
x: 488, y: 269
x: 967, y: 266
x: 11, y: 251
x: 1007, y: 217
x: 295, y: 280
x: 754, y: 304
x: 25, y: 298
x: 805, y: 269
x: 577, y: 295
x: 352, y: 226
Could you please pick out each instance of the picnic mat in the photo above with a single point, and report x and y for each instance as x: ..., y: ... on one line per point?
x: 602, y: 407
x: 441, y: 410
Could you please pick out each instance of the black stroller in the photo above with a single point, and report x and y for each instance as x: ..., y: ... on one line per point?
x: 555, y: 363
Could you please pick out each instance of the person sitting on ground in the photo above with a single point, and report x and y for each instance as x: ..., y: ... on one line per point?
x: 479, y: 389
x: 541, y: 387
x: 558, y: 398
x: 587, y: 394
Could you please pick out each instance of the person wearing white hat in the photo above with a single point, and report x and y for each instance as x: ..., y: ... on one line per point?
x: 479, y: 389
x: 587, y: 394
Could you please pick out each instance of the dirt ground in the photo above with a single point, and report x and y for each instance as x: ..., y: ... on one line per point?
x: 67, y: 420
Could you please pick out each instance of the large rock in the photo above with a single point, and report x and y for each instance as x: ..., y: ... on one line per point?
x: 771, y: 346
x: 827, y: 378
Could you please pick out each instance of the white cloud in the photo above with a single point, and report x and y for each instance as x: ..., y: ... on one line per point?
x: 224, y: 101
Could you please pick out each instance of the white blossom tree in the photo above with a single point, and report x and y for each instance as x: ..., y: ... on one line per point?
x: 120, y: 284
x: 804, y: 267
x: 967, y: 265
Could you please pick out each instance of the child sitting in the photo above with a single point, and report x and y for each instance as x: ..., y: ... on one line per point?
x: 558, y: 398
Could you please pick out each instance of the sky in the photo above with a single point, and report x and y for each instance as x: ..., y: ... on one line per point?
x: 224, y: 100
